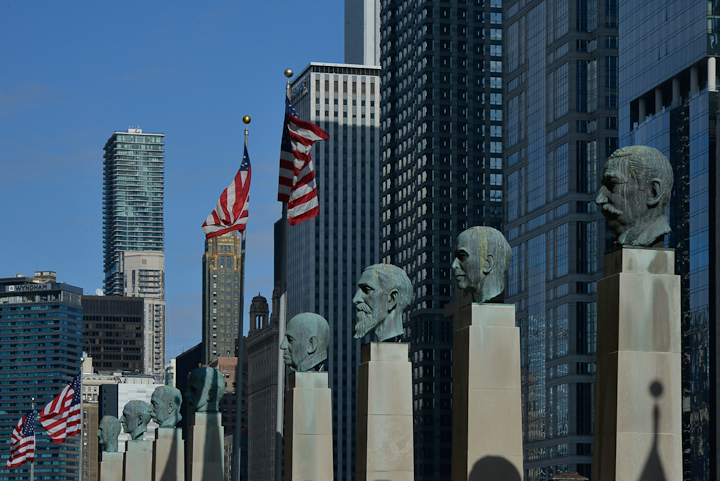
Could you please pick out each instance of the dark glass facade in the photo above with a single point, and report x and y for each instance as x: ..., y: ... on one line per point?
x: 669, y: 101
x: 114, y: 332
x: 41, y: 336
x: 133, y: 191
x: 561, y: 95
x: 327, y: 254
x: 441, y: 172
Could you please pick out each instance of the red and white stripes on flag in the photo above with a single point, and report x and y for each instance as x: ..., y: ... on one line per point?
x: 231, y: 211
x: 22, y: 442
x: 297, y: 174
x: 61, y: 417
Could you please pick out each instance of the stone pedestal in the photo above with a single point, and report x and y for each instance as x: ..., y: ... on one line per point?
x: 111, y: 467
x: 637, y: 383
x: 487, y: 404
x: 308, y: 428
x: 138, y: 461
x: 206, y: 453
x: 168, y: 455
x: 384, y: 449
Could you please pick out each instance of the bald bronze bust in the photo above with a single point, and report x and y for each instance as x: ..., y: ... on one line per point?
x: 306, y: 342
x: 135, y: 418
x: 206, y: 387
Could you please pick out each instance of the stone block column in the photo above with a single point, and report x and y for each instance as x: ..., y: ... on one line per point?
x: 206, y: 453
x: 168, y: 455
x: 384, y: 448
x: 111, y: 467
x: 308, y: 428
x: 138, y: 461
x: 638, y: 410
x: 487, y: 410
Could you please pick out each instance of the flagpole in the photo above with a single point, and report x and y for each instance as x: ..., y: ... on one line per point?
x: 237, y: 435
x: 282, y: 318
x: 32, y: 463
x: 82, y: 415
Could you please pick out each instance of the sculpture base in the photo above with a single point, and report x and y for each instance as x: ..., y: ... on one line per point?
x: 638, y: 379
x: 385, y: 414
x: 138, y: 460
x: 207, y: 438
x: 308, y: 428
x: 111, y: 467
x: 487, y: 402
x: 168, y: 455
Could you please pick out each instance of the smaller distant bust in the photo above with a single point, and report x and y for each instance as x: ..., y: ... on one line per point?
x: 108, y: 432
x: 384, y: 292
x: 482, y: 257
x: 166, y: 401
x: 306, y: 342
x: 135, y: 418
x: 206, y: 387
x: 635, y: 191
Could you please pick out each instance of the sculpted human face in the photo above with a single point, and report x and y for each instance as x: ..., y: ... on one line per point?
x: 371, y: 304
x: 101, y: 435
x: 129, y: 422
x: 468, y: 267
x: 622, y: 199
x: 295, y: 345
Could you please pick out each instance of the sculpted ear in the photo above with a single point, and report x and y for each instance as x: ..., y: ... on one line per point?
x: 312, y: 344
x: 489, y: 264
x: 654, y: 193
x: 393, y: 299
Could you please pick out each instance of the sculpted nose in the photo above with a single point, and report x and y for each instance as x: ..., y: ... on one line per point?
x: 356, y: 297
x: 284, y: 344
x: 455, y: 264
x: 601, y: 197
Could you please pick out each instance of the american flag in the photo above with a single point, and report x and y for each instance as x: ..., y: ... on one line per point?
x: 231, y: 211
x: 61, y: 417
x: 22, y: 442
x: 297, y: 174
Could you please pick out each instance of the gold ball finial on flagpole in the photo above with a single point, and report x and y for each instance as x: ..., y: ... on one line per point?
x: 246, y: 119
x: 289, y: 72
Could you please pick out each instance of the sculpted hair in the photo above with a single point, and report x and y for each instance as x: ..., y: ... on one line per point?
x: 111, y: 425
x: 392, y: 277
x: 170, y: 394
x: 214, y: 374
x: 647, y: 163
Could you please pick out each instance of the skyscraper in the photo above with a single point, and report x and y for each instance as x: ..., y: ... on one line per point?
x: 133, y: 190
x: 262, y: 380
x: 441, y: 172
x: 669, y: 100
x: 133, y: 231
x: 40, y: 354
x: 221, y: 296
x: 327, y: 254
x: 560, y: 93
x: 362, y: 32
x: 114, y: 332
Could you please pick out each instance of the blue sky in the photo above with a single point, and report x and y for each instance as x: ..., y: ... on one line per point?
x: 72, y: 73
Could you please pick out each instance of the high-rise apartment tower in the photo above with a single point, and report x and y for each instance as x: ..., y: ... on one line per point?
x: 669, y: 100
x: 560, y: 97
x: 133, y: 190
x: 327, y: 254
x: 441, y: 173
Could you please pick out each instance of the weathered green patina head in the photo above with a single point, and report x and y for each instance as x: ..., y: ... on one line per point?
x: 482, y: 257
x: 108, y: 432
x: 306, y: 341
x: 634, y: 194
x: 384, y: 292
x: 166, y: 401
x: 206, y: 387
x: 135, y: 418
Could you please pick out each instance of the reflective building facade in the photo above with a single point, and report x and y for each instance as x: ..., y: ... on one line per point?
x: 441, y: 172
x: 133, y: 190
x: 41, y: 340
x: 327, y: 254
x: 560, y: 88
x: 669, y: 100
